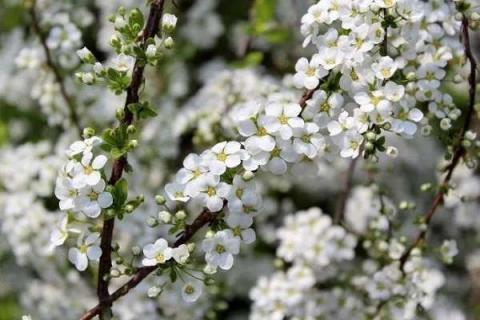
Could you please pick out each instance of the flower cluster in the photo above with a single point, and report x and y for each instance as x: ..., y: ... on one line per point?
x: 80, y: 187
x: 384, y: 61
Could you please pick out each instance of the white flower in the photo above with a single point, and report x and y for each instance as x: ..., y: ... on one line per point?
x: 191, y: 291
x: 386, y: 3
x: 86, y: 173
x: 123, y: 63
x: 384, y: 68
x: 156, y: 253
x: 27, y: 317
x: 120, y: 22
x: 194, y: 167
x: 92, y: 199
x: 258, y: 138
x: 351, y: 145
x: 60, y: 234
x: 240, y: 228
x: 220, y: 249
x: 66, y: 193
x: 28, y: 58
x: 83, y: 146
x: 66, y: 37
x: 176, y: 191
x: 373, y: 101
x: 87, y: 250
x: 285, y: 117
x: 449, y: 250
x: 224, y: 155
x: 308, y: 141
x: 181, y: 254
x: 213, y: 192
x: 308, y: 73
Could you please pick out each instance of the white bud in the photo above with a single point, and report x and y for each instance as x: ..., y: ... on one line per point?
x: 168, y: 43
x: 445, y: 124
x: 392, y: 152
x: 180, y: 215
x: 151, y: 51
x: 164, y: 216
x: 169, y: 22
x: 120, y: 22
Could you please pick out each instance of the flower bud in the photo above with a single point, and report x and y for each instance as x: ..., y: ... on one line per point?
x: 129, y: 208
x: 371, y: 136
x: 426, y: 187
x: 248, y: 175
x: 180, y: 215
x: 120, y: 114
x: 160, y: 199
x: 88, y: 132
x: 152, y: 222
x: 136, y: 250
x: 165, y: 216
x: 131, y: 130
x: 151, y: 51
x: 132, y: 144
x: 169, y: 22
x: 169, y: 43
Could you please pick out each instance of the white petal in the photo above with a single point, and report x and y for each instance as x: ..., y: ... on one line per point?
x: 105, y: 200
x: 99, y: 162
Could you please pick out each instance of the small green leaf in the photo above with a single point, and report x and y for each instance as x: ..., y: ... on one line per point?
x: 173, y: 275
x: 120, y: 193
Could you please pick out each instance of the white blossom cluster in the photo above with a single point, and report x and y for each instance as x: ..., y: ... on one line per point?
x: 387, y: 56
x: 80, y: 187
x: 27, y: 174
x: 62, y: 40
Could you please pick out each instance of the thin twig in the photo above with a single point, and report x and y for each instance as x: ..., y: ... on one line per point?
x: 459, y: 149
x: 118, y: 166
x: 70, y: 102
x: 347, y: 188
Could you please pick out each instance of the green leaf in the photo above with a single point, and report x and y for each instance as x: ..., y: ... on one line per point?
x: 173, y: 275
x: 136, y: 18
x: 120, y: 193
x: 117, y: 153
x: 252, y: 59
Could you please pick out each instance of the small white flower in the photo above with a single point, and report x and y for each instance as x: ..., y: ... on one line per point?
x: 123, y: 63
x: 448, y: 250
x: 351, y: 145
x: 308, y: 141
x: 66, y: 193
x: 92, y: 199
x: 285, y: 117
x: 86, y: 173
x: 156, y: 253
x: 213, y: 192
x: 191, y: 291
x: 120, y: 22
x: 384, y: 68
x: 220, y: 249
x: 86, y: 250
x: 308, y: 73
x: 224, y: 155
x: 176, y: 191
x: 181, y: 254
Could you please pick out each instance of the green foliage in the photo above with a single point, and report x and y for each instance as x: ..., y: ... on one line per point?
x: 120, y: 194
x: 142, y: 110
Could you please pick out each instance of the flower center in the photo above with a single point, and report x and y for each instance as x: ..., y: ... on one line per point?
x: 88, y: 170
x: 283, y: 119
x: 306, y: 138
x: 219, y: 249
x: 239, y: 193
x: 189, y: 289
x: 160, y: 258
x: 261, y: 132
x: 93, y: 196
x: 375, y: 100
x: 211, y: 191
x: 83, y: 248
x: 276, y: 152
x: 222, y: 156
x: 325, y: 107
x: 354, y: 75
x: 197, y: 173
x: 385, y: 72
x: 311, y: 72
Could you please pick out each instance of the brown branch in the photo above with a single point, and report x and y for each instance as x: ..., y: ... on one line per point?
x: 204, y: 218
x: 459, y: 149
x: 56, y: 72
x: 118, y: 166
x: 347, y: 188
